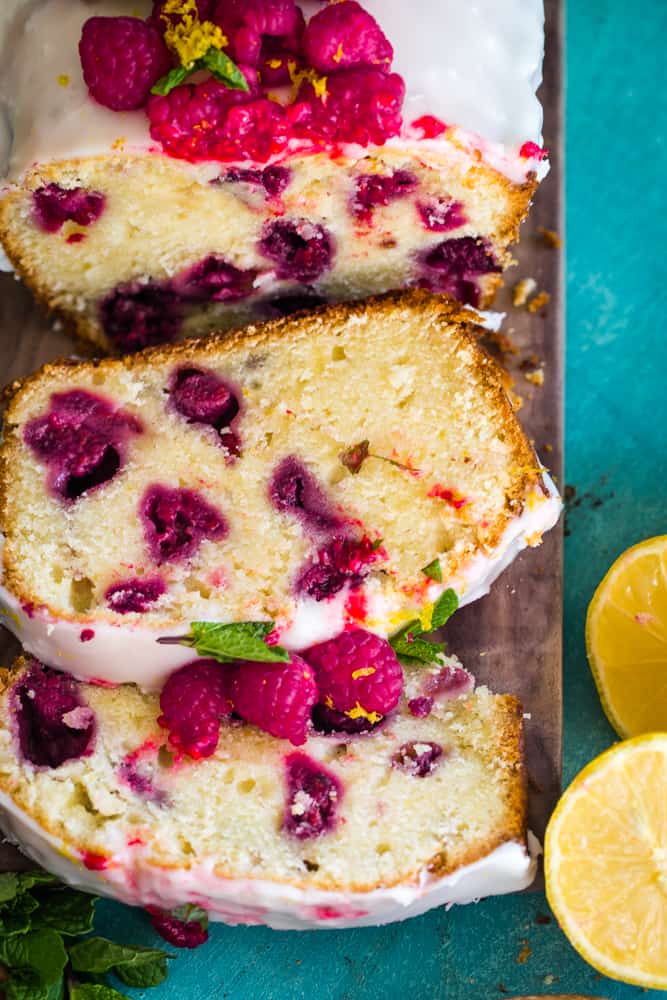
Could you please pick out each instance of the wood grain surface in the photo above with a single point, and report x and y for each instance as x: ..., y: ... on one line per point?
x: 512, y: 639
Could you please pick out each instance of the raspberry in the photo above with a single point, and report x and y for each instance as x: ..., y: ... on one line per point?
x: 122, y: 58
x: 138, y: 315
x: 271, y: 17
x: 361, y: 105
x: 374, y: 190
x: 207, y: 121
x: 313, y: 796
x: 134, y: 596
x: 327, y: 720
x: 450, y: 682
x: 82, y: 440
x: 177, y: 521
x: 55, y: 205
x: 215, y: 280
x: 192, y: 702
x: 429, y: 126
x: 277, y: 53
x: 420, y: 707
x: 441, y: 214
x: 274, y: 179
x: 54, y: 724
x: 345, y: 36
x: 294, y: 490
x: 454, y: 266
x: 344, y: 562
x: 179, y: 933
x: 358, y: 674
x: 205, y: 9
x: 276, y: 697
x: 203, y: 398
x: 417, y: 759
x: 301, y: 250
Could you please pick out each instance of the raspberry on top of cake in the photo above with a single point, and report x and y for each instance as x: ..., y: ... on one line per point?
x: 214, y: 159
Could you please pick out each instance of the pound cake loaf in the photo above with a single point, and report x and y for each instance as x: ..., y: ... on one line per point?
x: 191, y: 165
x: 347, y: 830
x: 348, y: 465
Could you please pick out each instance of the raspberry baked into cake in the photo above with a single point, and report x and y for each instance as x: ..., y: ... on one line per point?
x: 340, y: 467
x: 181, y: 167
x: 173, y: 801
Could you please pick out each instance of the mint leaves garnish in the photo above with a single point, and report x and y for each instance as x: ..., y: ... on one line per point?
x: 236, y: 641
x: 215, y: 61
x: 408, y: 643
x: 433, y: 571
x: 43, y: 956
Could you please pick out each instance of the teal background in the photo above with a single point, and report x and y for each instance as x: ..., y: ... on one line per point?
x: 615, y: 447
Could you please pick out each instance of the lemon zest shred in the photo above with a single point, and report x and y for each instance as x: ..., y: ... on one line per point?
x: 339, y: 53
x: 358, y: 712
x: 190, y: 38
x: 363, y: 672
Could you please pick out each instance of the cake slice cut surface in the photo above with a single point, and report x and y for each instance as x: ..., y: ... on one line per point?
x: 426, y: 810
x: 340, y: 468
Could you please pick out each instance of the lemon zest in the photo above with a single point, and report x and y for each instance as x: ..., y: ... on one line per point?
x: 189, y: 37
x: 297, y: 76
x: 358, y: 712
x: 363, y: 672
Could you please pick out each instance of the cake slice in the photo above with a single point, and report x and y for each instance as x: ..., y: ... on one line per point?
x: 350, y: 165
x: 348, y: 830
x: 344, y: 466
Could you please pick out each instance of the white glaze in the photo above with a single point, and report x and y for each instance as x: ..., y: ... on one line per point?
x: 475, y: 65
x: 130, y: 879
x: 124, y: 653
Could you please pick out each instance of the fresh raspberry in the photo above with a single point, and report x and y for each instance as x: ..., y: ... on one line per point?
x: 345, y: 36
x: 429, y: 126
x: 179, y: 933
x: 313, y: 796
x: 192, y: 702
x: 215, y: 280
x: 122, y: 58
x: 206, y: 121
x: 203, y: 398
x: 135, y: 596
x: 82, y: 440
x: 54, y: 724
x: 177, y: 521
x: 205, y: 9
x: 360, y: 105
x: 343, y: 562
x: 417, y: 759
x: 358, y: 674
x: 301, y: 250
x: 377, y: 190
x: 278, y: 53
x: 440, y: 215
x: 136, y: 315
x: 454, y: 266
x: 276, y: 697
x: 294, y: 490
x: 55, y: 205
x: 328, y: 720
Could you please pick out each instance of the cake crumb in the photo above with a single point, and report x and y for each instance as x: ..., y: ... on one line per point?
x: 551, y: 238
x: 540, y: 300
x: 523, y: 290
x: 525, y: 953
x: 548, y: 448
x: 535, y: 377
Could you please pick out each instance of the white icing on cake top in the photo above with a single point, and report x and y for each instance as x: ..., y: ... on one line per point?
x: 474, y: 64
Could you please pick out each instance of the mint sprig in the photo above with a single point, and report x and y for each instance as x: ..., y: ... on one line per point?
x: 42, y: 953
x: 215, y: 61
x: 235, y: 641
x: 408, y: 643
x: 433, y: 571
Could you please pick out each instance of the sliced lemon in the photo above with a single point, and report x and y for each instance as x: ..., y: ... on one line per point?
x: 605, y: 860
x: 626, y: 639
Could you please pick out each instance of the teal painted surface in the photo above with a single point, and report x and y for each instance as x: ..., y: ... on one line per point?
x: 616, y: 424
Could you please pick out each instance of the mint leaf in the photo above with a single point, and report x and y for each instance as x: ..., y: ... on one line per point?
x: 94, y: 991
x: 222, y: 68
x: 408, y: 644
x: 236, y: 641
x: 66, y: 911
x: 433, y: 571
x: 9, y: 886
x: 28, y: 880
x: 24, y: 986
x: 174, y: 78
x: 444, y: 608
x: 41, y: 951
x: 16, y: 918
x: 99, y: 955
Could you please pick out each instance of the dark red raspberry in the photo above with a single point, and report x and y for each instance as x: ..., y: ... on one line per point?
x: 440, y: 215
x: 192, y: 702
x: 454, y: 267
x: 313, y: 796
x: 55, y: 205
x: 276, y: 697
x: 377, y: 190
x: 361, y: 105
x: 122, y: 58
x: 345, y: 36
x: 135, y: 596
x: 417, y: 759
x: 420, y: 707
x: 177, y: 521
x: 82, y: 440
x: 343, y: 562
x: 327, y: 720
x: 358, y: 674
x: 274, y: 179
x: 179, y: 933
x: 214, y: 279
x: 202, y: 397
x: 295, y: 490
x: 301, y: 250
x: 205, y: 9
x: 450, y: 682
x: 278, y: 53
x: 54, y: 724
x: 137, y: 315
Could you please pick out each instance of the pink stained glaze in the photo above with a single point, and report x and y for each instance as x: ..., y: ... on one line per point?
x: 86, y: 635
x: 95, y: 862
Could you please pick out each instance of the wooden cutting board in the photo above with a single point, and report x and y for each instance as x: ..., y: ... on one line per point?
x: 512, y: 639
